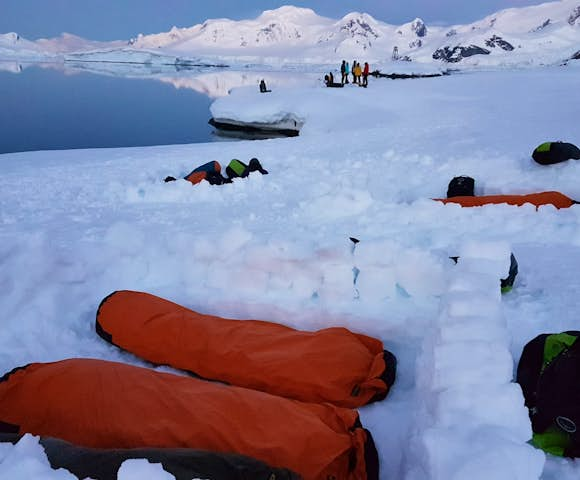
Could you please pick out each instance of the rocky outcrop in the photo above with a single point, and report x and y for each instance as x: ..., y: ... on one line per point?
x: 276, y: 33
x: 417, y: 43
x: 542, y: 26
x: 419, y: 28
x: 358, y: 27
x: 576, y: 56
x: 458, y: 53
x: 497, y: 41
x: 575, y: 15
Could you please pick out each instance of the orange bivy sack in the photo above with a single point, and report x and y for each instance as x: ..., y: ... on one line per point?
x: 332, y: 365
x: 557, y: 199
x: 101, y: 404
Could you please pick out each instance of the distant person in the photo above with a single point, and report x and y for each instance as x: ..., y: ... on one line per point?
x: 365, y: 75
x: 329, y: 81
x: 343, y: 72
x: 346, y: 71
x: 352, y: 69
x: 263, y: 88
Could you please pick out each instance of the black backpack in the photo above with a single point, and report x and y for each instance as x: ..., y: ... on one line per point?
x: 462, y: 186
x: 549, y: 374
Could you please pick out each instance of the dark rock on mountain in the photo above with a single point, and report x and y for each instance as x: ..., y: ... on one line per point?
x: 497, y: 41
x: 575, y: 15
x: 451, y: 32
x: 358, y: 27
x: 576, y: 56
x: 417, y: 43
x: 418, y: 26
x: 458, y: 53
x: 542, y: 26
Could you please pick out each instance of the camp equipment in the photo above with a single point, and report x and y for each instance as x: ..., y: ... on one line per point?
x: 331, y: 365
x: 557, y: 199
x: 461, y: 186
x: 549, y: 374
x: 555, y: 152
x: 100, y: 404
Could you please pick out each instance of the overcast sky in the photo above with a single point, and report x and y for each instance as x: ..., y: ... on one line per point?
x: 123, y: 19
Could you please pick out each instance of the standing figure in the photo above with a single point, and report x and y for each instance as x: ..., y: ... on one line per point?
x: 343, y: 72
x: 357, y: 73
x: 346, y: 71
x: 352, y: 69
x: 365, y: 75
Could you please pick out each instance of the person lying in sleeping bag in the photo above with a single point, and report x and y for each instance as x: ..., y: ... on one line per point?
x: 211, y: 172
x: 236, y: 168
x: 461, y: 191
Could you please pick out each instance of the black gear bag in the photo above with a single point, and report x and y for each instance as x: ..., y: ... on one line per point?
x: 549, y: 374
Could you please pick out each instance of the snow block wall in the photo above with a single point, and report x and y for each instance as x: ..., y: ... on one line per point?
x: 473, y: 423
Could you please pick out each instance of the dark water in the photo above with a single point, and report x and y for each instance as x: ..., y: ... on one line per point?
x: 47, y: 109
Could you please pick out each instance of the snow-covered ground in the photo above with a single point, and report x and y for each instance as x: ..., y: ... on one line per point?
x: 77, y: 225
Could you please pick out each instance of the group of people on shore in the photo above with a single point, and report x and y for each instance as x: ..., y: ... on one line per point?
x: 360, y: 75
x: 356, y: 71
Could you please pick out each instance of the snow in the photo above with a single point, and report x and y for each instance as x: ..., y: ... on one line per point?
x: 461, y: 374
x: 124, y: 55
x: 77, y: 225
x: 27, y: 461
x: 136, y: 469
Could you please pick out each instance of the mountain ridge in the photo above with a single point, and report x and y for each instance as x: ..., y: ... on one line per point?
x: 549, y: 32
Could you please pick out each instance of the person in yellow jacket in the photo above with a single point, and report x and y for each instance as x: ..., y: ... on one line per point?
x: 357, y: 73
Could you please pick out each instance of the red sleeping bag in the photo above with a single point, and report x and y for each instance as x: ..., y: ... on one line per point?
x: 557, y: 199
x: 332, y: 365
x: 100, y: 404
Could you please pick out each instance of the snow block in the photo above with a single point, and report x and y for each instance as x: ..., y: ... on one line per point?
x: 473, y: 423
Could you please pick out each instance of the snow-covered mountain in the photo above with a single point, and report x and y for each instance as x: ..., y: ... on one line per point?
x: 538, y: 34
x: 546, y: 33
x: 14, y: 46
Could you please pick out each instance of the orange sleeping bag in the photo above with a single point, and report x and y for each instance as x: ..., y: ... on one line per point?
x: 100, y: 404
x: 332, y: 365
x: 557, y: 199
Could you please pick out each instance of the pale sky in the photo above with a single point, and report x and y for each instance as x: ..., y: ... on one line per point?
x: 123, y: 19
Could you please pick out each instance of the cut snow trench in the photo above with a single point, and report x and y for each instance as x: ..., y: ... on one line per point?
x: 465, y: 366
